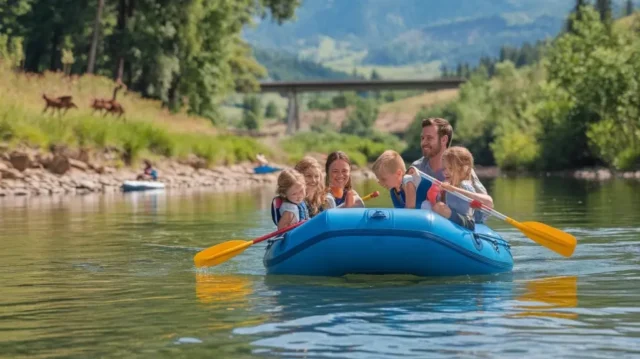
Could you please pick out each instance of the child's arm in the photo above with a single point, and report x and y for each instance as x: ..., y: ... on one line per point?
x: 286, y: 220
x: 410, y: 195
x: 350, y: 200
x: 482, y: 198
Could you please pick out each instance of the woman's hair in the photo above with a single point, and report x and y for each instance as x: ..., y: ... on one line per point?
x: 319, y: 198
x: 334, y: 156
x: 286, y: 179
x: 461, y: 161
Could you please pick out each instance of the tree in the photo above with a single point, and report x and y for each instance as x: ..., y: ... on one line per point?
x: 94, y: 40
x: 360, y: 121
x: 598, y: 69
x: 252, y: 113
x: 575, y: 15
x: 168, y: 50
x: 604, y: 9
x: 375, y: 75
x: 272, y: 110
x: 629, y: 7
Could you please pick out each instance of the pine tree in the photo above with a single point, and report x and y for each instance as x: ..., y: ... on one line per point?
x: 629, y: 8
x: 604, y: 8
x: 576, y: 11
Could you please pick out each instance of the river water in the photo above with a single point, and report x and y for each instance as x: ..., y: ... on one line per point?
x: 113, y: 276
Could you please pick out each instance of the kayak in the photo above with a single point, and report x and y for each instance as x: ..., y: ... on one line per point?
x: 338, y: 242
x: 265, y: 169
x: 129, y: 186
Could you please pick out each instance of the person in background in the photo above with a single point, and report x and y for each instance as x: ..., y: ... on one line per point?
x: 149, y: 173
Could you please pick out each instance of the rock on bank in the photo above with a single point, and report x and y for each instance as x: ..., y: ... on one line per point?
x: 32, y: 172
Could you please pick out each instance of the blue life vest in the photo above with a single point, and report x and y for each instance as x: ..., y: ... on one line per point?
x: 399, y: 198
x: 303, y: 211
x: 340, y: 200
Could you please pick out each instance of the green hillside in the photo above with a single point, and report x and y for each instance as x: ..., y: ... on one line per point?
x: 410, y: 33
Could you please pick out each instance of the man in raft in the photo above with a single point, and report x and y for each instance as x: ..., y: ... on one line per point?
x: 434, y: 140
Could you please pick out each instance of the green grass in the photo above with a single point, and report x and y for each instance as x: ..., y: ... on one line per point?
x: 360, y: 150
x: 148, y: 130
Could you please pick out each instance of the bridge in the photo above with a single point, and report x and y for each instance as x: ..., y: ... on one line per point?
x: 291, y: 89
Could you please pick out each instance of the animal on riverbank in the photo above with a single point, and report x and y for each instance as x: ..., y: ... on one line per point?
x: 58, y: 103
x: 109, y: 106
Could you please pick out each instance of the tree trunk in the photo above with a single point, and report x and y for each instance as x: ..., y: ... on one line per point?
x: 121, y: 26
x: 94, y: 40
x: 55, y: 54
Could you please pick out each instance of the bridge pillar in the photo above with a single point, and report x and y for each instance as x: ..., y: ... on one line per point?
x: 293, y: 113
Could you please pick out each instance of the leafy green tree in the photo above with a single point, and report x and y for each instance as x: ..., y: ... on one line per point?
x: 252, y: 113
x: 361, y: 119
x: 272, y: 110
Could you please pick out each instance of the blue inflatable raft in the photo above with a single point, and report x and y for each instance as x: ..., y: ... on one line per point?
x: 130, y: 186
x: 265, y: 169
x: 387, y: 241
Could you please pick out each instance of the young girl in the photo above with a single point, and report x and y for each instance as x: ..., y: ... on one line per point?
x: 312, y: 172
x: 288, y: 207
x: 338, y: 182
x: 457, y: 163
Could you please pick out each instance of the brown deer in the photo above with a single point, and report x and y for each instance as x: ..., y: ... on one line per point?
x: 109, y: 106
x: 58, y: 103
x: 113, y: 107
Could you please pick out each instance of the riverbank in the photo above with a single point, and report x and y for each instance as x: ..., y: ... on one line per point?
x: 591, y: 174
x: 35, y: 173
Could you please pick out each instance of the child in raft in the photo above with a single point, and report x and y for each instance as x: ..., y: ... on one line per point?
x: 312, y: 172
x: 338, y: 182
x: 408, y: 189
x: 289, y: 207
x: 414, y: 190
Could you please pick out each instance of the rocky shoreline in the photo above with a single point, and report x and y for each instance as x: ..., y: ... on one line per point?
x: 34, y: 173
x: 29, y: 172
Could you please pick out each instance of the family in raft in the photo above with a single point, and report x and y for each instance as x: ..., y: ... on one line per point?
x: 301, y: 193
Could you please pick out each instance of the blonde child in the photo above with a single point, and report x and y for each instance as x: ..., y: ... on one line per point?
x: 312, y: 172
x: 289, y: 207
x: 408, y: 189
x: 338, y: 182
x: 458, y: 164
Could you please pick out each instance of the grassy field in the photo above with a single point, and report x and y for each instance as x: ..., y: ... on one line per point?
x: 146, y: 129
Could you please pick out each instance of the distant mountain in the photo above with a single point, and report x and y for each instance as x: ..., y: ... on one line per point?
x: 282, y: 66
x: 348, y: 33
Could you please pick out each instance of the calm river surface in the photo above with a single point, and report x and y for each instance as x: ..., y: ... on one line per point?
x: 113, y: 276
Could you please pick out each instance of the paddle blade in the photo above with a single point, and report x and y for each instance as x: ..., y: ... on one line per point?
x: 558, y: 241
x: 220, y: 253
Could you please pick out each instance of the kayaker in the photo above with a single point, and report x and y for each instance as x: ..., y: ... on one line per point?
x: 262, y: 161
x: 149, y: 173
x: 408, y: 189
x: 312, y: 172
x: 338, y: 182
x: 289, y: 207
x: 435, y: 138
x: 457, y: 167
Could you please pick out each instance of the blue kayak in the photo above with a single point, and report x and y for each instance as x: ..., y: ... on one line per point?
x: 265, y: 169
x: 387, y: 241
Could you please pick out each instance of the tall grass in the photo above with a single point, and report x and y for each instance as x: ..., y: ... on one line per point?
x: 146, y: 128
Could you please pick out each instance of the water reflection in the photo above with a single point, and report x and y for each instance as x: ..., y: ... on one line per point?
x: 400, y: 316
x: 542, y: 296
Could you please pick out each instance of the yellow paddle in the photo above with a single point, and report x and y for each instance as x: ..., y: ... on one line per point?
x: 222, y: 252
x: 552, y: 238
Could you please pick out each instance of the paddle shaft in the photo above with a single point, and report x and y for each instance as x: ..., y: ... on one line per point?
x: 278, y: 232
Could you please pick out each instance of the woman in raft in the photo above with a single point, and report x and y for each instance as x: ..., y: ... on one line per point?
x: 338, y: 182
